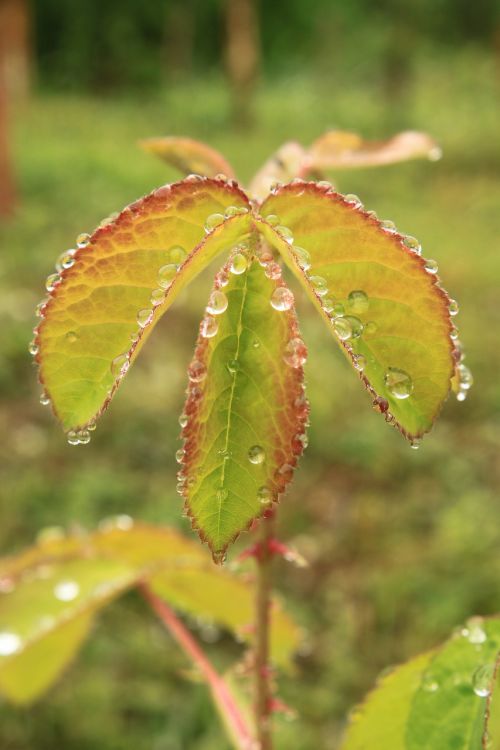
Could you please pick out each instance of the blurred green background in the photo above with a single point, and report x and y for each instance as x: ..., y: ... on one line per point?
x: 403, y: 545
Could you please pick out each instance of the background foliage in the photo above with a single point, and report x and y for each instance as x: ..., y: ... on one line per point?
x: 403, y: 545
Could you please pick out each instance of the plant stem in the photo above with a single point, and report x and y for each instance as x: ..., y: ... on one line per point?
x: 224, y: 700
x: 263, y: 713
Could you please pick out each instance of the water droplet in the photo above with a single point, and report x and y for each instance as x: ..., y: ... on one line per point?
x: 179, y: 456
x: 327, y: 304
x: 295, y: 352
x: 33, y: 348
x: 429, y: 684
x: 337, y: 310
x: 461, y: 395
x: 264, y: 495
x: 51, y: 282
x: 183, y: 420
x: 372, y: 215
x: 398, y: 383
x: 71, y: 337
x: 44, y: 398
x: 324, y: 185
x: 342, y: 328
x: 84, y: 437
x: 482, y: 680
x: 351, y: 198
x: 177, y: 255
x: 72, y: 438
x: 415, y: 444
x: 285, y: 233
x: 10, y: 643
x: 166, y: 275
x: 320, y: 285
x: 224, y: 454
x: 453, y: 307
x: 144, y: 317
x: 120, y: 365
x: 275, y: 186
x: 233, y: 366
x: 65, y: 260
x: 40, y: 308
x: 256, y: 454
x: 209, y: 327
x: 282, y: 299
x: 465, y: 376
x: 388, y: 225
x: 412, y: 243
x: 303, y: 258
x: 431, y: 266
x: 272, y: 219
x: 157, y: 297
x: 358, y: 301
x: 66, y: 591
x: 213, y: 221
x: 197, y: 371
x: 475, y: 630
x: 273, y: 271
x: 239, y: 264
x: 83, y: 239
x: 370, y: 328
x: 359, y: 362
x: 217, y: 304
x: 356, y: 326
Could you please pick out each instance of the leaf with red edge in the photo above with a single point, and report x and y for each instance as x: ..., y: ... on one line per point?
x: 188, y: 155
x: 372, y: 288
x: 340, y: 149
x: 246, y: 410
x: 112, y: 290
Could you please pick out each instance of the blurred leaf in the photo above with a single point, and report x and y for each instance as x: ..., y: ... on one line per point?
x: 188, y: 156
x: 388, y: 313
x: 50, y: 593
x: 246, y: 409
x: 340, y: 149
x: 437, y: 701
x: 118, y: 283
x: 289, y: 161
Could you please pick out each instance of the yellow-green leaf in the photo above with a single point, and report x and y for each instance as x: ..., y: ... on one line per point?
x: 110, y: 292
x: 380, y: 299
x: 246, y: 409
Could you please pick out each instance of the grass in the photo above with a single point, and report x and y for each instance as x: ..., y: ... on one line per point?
x: 403, y: 545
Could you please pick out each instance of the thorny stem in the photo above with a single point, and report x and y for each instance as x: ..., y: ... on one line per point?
x: 224, y: 700
x: 263, y: 697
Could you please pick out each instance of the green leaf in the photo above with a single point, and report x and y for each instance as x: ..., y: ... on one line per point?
x: 341, y: 149
x: 246, y: 410
x: 437, y: 701
x: 50, y: 593
x: 396, y: 326
x: 188, y: 155
x: 113, y: 289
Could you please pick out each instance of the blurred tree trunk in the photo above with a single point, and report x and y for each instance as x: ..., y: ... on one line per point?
x: 242, y: 57
x: 15, y: 47
x: 7, y: 188
x: 179, y: 40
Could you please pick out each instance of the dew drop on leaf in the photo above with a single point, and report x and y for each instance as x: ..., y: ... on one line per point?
x: 320, y: 285
x: 412, y: 243
x: 120, y: 365
x: 166, y: 275
x: 83, y: 239
x: 233, y: 366
x: 256, y: 454
x: 65, y: 260
x: 351, y: 198
x: 359, y: 362
x: 10, y: 643
x: 44, y: 398
x: 144, y: 317
x: 209, y: 327
x: 285, y: 233
x: 179, y: 456
x: 475, y: 630
x: 388, y: 225
x: 51, y: 281
x: 303, y: 257
x: 183, y: 420
x: 431, y: 266
x: 217, y: 304
x: 239, y: 264
x: 356, y: 326
x: 272, y: 219
x: 157, y: 297
x: 282, y: 299
x: 264, y: 495
x: 342, y: 328
x: 482, y: 680
x: 197, y: 371
x: 66, y: 591
x: 295, y: 353
x: 33, y: 348
x: 338, y: 310
x: 357, y: 301
x: 177, y: 255
x: 213, y: 221
x: 370, y: 328
x: 398, y: 383
x: 453, y: 307
x: 71, y: 337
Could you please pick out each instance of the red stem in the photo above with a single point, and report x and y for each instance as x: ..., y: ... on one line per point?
x: 221, y: 694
